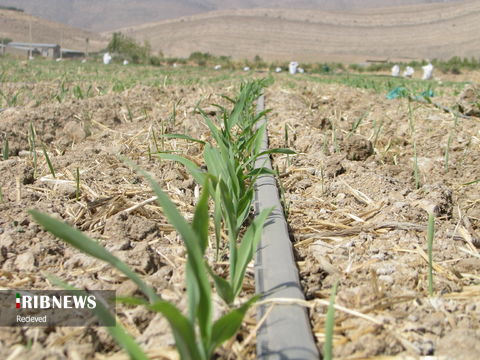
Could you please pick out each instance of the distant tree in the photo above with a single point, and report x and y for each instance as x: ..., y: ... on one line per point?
x: 13, y: 8
x: 127, y: 47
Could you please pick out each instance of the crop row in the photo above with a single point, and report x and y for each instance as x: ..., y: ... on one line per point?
x: 228, y: 184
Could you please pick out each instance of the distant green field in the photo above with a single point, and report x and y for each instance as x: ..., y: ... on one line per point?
x: 60, y: 81
x: 385, y: 83
x: 73, y: 79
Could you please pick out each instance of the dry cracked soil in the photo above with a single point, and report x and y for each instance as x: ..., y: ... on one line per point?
x: 367, y: 172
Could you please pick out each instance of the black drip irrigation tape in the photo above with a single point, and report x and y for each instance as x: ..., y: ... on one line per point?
x: 285, y: 330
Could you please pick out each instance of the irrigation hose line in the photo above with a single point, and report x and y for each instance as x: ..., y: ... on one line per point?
x: 285, y: 332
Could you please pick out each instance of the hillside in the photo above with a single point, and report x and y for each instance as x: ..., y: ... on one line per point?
x: 15, y: 25
x: 111, y: 14
x: 420, y: 31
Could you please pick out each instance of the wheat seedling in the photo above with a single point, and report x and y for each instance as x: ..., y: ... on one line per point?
x: 430, y: 235
x: 77, y: 184
x: 329, y: 325
x: 196, y: 335
x: 230, y: 162
x: 6, y: 149
x: 49, y: 163
x: 33, y: 148
x: 416, y: 170
x: 447, y: 151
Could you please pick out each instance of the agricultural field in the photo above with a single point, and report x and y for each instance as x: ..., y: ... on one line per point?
x: 357, y: 193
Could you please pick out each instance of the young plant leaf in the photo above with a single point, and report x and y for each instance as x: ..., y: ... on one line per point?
x: 6, y: 150
x: 276, y: 151
x: 200, y: 218
x: 82, y: 242
x: 329, y: 325
x: 226, y: 327
x: 195, y: 255
x: 117, y: 332
x: 223, y: 287
x: 182, y: 329
x: 217, y: 218
x: 182, y: 136
x: 192, y: 168
x: 430, y: 236
x: 248, y: 246
x: 49, y: 163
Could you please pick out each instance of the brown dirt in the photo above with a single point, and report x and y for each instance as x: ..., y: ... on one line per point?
x: 354, y: 212
x: 90, y: 135
x: 356, y: 217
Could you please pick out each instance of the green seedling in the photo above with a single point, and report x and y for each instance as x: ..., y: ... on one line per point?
x: 162, y: 139
x: 130, y: 113
x: 357, y: 122
x: 49, y: 163
x: 154, y: 137
x: 416, y: 170
x: 149, y: 152
x: 77, y: 184
x: 77, y: 92
x: 6, y: 149
x: 184, y: 137
x: 411, y: 122
x: 329, y: 325
x: 325, y: 144
x: 173, y: 117
x: 472, y: 182
x: 285, y: 138
x: 28, y: 346
x: 322, y: 178
x: 447, y: 151
x: 455, y: 118
x: 89, y: 91
x: 12, y: 100
x: 377, y: 129
x: 33, y: 148
x: 62, y: 92
x: 240, y: 254
x: 229, y: 181
x: 196, y: 335
x: 195, y: 237
x: 336, y: 147
x: 283, y: 199
x: 430, y: 236
x: 388, y: 146
x: 230, y: 161
x: 119, y: 86
x: 90, y: 247
x: 286, y: 146
x: 1, y: 195
x: 117, y: 332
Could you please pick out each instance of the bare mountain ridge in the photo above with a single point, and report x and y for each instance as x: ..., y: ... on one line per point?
x: 107, y: 15
x: 421, y: 31
x: 417, y: 31
x: 383, y: 17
